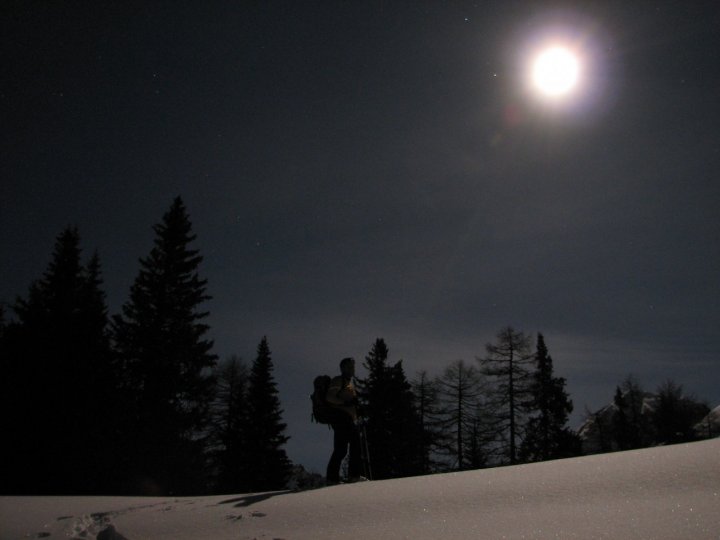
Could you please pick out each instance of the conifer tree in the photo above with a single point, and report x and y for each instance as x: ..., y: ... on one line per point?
x: 507, y: 364
x: 676, y: 414
x: 373, y: 393
x: 58, y: 365
x: 404, y: 425
x: 164, y: 356
x: 547, y: 436
x: 268, y: 465
x: 631, y: 429
x: 621, y: 426
x: 393, y: 427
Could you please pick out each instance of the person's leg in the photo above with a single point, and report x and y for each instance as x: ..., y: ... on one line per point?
x: 355, y: 463
x: 340, y: 444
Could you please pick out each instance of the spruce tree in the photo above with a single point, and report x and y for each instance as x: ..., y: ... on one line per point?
x: 547, y: 436
x: 58, y: 366
x: 404, y: 425
x: 676, y: 414
x: 268, y: 465
x: 620, y: 424
x: 631, y: 428
x: 507, y: 364
x: 393, y: 427
x: 373, y: 393
x: 164, y: 357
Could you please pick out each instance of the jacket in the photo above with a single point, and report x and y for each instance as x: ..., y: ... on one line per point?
x: 343, y: 396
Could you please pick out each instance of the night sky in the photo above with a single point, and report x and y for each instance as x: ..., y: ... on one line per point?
x: 356, y: 170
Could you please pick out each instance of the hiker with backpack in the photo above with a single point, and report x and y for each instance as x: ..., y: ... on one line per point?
x: 342, y: 398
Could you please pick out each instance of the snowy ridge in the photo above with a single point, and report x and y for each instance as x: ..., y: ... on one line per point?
x: 666, y: 492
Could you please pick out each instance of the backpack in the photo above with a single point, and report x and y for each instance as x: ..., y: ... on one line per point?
x: 322, y: 411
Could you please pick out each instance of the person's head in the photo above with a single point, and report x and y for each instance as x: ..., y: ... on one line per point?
x: 347, y: 367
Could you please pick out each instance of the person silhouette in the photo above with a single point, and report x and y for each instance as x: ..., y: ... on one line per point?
x: 342, y: 396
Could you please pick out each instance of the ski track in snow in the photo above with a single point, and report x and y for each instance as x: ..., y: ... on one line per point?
x: 669, y: 492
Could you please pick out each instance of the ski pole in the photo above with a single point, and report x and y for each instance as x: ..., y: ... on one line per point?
x: 365, y: 451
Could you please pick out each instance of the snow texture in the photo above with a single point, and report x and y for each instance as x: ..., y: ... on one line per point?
x: 667, y: 492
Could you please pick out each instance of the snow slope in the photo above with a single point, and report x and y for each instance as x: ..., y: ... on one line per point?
x: 669, y: 492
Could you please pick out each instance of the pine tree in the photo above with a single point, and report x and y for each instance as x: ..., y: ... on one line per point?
x: 268, y: 466
x: 374, y: 392
x: 547, y: 436
x: 620, y: 425
x: 59, y: 372
x: 507, y: 363
x: 393, y: 427
x: 164, y: 358
x: 631, y: 429
x: 404, y: 425
x: 676, y: 414
x: 98, y: 405
x: 639, y: 425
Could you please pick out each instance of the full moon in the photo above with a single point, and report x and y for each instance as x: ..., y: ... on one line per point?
x: 555, y: 71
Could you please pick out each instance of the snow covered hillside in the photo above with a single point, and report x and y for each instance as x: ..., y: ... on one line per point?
x: 668, y: 492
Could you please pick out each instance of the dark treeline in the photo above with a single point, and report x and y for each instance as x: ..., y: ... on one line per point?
x: 636, y: 418
x: 137, y: 403
x: 505, y: 408
x: 133, y: 403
